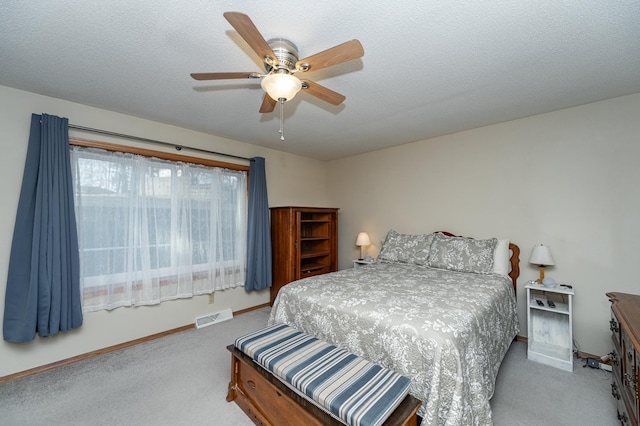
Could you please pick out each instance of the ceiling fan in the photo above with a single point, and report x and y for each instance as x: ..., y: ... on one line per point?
x: 281, y: 62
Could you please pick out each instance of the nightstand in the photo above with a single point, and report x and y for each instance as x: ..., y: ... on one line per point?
x: 358, y: 263
x: 550, y: 329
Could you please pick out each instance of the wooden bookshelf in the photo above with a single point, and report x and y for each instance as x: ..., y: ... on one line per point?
x: 304, y: 242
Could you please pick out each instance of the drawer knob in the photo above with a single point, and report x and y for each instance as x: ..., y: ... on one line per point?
x: 613, y: 326
x: 251, y: 383
x: 632, y: 381
x: 623, y: 418
x: 614, y: 357
x: 614, y: 391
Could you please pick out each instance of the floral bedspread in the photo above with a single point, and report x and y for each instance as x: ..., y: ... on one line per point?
x: 447, y: 331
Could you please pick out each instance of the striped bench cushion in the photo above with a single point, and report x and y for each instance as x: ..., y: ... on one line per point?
x: 356, y: 391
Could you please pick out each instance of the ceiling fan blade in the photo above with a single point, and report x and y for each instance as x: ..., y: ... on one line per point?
x: 321, y: 92
x: 268, y: 104
x: 248, y: 31
x: 336, y: 55
x: 223, y: 75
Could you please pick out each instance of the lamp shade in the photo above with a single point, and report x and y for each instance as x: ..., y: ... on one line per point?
x: 541, y: 255
x: 363, y: 239
x: 281, y: 86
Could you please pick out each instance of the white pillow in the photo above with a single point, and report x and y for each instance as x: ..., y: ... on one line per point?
x: 501, y: 255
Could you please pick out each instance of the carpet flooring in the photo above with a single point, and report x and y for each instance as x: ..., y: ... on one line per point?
x: 181, y: 379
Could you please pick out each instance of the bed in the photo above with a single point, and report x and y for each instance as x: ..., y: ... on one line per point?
x: 437, y: 308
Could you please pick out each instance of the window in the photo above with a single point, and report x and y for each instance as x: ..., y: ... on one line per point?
x: 151, y: 229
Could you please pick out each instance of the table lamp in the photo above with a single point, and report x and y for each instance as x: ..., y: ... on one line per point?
x: 541, y: 256
x: 362, y: 241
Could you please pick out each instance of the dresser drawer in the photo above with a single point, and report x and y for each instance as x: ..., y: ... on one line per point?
x: 616, y: 358
x: 614, y: 326
x: 312, y: 272
x: 630, y: 371
x: 625, y: 417
x: 277, y: 406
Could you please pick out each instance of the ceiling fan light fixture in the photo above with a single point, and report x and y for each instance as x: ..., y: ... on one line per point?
x: 281, y: 86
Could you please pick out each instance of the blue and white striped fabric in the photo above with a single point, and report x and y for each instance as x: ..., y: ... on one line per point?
x: 356, y: 391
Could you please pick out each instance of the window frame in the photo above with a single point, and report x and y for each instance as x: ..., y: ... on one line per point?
x: 108, y: 146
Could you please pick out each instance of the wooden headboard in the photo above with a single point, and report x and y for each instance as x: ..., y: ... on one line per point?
x: 515, y: 263
x: 514, y: 260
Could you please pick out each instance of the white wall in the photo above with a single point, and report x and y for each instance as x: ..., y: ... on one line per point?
x: 292, y: 180
x: 568, y: 179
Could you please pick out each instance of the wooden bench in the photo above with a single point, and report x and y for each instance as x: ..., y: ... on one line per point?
x: 268, y: 400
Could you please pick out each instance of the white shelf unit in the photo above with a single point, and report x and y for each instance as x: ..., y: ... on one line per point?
x: 550, y: 330
x: 361, y: 262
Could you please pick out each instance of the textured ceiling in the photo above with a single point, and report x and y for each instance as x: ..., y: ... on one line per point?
x: 430, y: 67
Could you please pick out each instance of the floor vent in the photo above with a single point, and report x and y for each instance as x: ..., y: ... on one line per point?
x: 211, y: 319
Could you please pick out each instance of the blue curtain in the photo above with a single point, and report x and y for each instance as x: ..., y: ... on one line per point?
x: 258, y: 229
x: 43, y: 283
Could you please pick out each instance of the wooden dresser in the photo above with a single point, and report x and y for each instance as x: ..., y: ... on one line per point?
x: 304, y: 242
x: 625, y: 358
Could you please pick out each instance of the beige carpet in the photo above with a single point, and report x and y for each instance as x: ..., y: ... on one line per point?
x: 182, y: 379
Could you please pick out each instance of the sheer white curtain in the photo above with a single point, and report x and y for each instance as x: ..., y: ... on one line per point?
x: 152, y: 230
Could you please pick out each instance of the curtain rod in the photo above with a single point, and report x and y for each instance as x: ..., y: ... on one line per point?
x: 138, y: 138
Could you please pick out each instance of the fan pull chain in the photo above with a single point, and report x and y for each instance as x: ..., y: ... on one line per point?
x: 282, y: 100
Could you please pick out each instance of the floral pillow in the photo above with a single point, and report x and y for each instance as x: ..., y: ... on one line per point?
x: 405, y: 248
x: 462, y: 254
